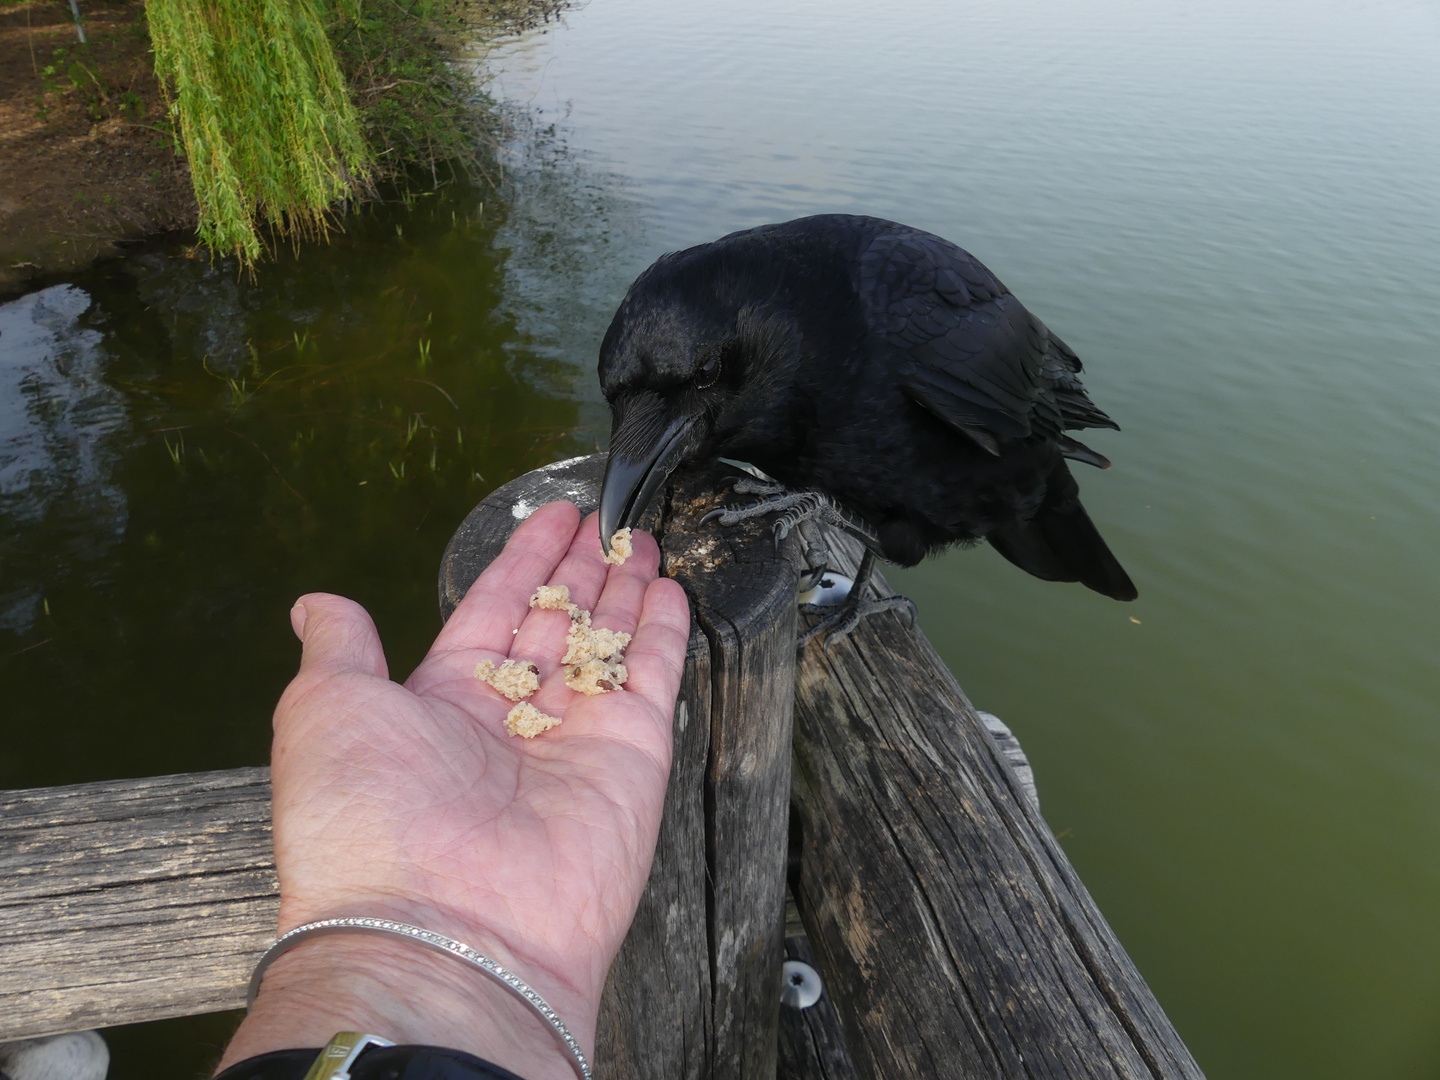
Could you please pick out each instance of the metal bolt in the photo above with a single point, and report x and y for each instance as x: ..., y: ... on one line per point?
x: 800, y: 986
x: 831, y: 592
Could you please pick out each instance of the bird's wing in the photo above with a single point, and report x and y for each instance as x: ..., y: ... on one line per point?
x: 966, y: 349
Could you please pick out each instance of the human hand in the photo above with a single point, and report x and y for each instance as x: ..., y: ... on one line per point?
x: 413, y: 803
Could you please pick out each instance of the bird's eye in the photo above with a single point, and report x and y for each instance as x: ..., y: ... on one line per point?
x: 709, y: 371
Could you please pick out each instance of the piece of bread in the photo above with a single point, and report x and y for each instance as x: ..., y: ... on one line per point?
x: 526, y: 721
x: 552, y: 598
x: 516, y: 679
x: 620, y: 548
x: 596, y: 676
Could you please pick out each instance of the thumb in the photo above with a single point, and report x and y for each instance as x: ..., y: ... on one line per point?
x: 338, y: 637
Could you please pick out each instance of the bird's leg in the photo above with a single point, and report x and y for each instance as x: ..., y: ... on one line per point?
x: 839, y: 623
x: 753, y: 485
x: 817, y: 554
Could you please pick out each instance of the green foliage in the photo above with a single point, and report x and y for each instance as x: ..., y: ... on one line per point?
x: 263, y: 113
x: 287, y: 107
x: 416, y: 108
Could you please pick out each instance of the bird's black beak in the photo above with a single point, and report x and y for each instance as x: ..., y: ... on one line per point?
x: 647, y: 442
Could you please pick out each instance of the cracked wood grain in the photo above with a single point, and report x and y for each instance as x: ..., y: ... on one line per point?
x: 132, y: 900
x: 955, y: 936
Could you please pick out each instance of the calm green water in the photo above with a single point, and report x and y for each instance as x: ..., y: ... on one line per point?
x: 1229, y: 210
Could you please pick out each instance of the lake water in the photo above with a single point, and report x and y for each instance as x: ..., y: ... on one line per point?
x: 1229, y: 210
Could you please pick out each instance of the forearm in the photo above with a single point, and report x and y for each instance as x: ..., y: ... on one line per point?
x: 406, y: 993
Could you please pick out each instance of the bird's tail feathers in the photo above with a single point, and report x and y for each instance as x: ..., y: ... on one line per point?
x: 1061, y: 543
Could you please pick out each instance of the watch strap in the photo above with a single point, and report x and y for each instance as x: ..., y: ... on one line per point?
x: 374, y: 1062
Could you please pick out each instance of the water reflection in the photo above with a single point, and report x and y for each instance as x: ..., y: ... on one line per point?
x: 56, y: 466
x: 184, y: 449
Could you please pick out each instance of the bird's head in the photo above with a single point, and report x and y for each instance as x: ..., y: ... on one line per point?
x: 688, y: 365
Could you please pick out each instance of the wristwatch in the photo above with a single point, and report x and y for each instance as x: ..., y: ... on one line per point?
x: 353, y: 1056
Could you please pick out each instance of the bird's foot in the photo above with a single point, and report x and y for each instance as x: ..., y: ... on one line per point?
x: 774, y: 498
x: 839, y: 622
x: 794, y: 507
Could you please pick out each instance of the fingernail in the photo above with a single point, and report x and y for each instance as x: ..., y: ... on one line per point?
x: 297, y: 619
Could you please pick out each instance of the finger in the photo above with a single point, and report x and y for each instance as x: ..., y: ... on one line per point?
x: 500, y: 598
x: 656, y: 657
x: 338, y: 637
x: 614, y: 592
x: 620, y: 604
x: 582, y: 571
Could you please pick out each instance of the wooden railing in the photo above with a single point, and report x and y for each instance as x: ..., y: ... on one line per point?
x: 951, y: 932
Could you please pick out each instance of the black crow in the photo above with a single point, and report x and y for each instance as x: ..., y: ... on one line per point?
x: 880, y: 373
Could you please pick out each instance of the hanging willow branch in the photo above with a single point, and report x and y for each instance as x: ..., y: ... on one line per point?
x: 262, y: 110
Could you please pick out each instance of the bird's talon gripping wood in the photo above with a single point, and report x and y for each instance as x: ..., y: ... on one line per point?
x: 876, y: 369
x: 838, y: 624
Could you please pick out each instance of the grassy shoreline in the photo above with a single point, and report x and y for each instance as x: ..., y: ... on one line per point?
x: 88, y: 156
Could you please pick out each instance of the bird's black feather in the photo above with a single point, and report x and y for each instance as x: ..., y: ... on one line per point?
x: 884, y: 366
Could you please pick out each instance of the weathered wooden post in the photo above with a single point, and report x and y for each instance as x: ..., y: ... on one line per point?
x: 695, y: 991
x: 955, y: 937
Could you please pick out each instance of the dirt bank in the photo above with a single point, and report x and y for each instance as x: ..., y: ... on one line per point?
x: 84, y: 161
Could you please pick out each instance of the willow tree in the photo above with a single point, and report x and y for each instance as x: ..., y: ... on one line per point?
x: 261, y: 109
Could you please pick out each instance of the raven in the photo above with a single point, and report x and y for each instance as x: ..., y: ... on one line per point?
x: 880, y: 373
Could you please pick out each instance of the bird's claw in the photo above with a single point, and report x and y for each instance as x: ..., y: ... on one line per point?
x: 733, y: 515
x: 838, y: 624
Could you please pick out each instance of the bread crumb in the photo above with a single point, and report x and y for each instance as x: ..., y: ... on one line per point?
x: 596, y: 676
x: 592, y: 657
x: 527, y: 721
x: 620, y: 548
x: 516, y: 679
x: 551, y: 598
x: 585, y: 642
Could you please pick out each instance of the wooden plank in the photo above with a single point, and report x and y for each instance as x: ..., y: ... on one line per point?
x: 953, y: 933
x: 132, y: 900
x: 695, y: 989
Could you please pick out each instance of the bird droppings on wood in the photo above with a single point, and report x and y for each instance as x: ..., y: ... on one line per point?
x: 691, y: 546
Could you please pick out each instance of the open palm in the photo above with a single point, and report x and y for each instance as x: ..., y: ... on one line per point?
x: 412, y: 802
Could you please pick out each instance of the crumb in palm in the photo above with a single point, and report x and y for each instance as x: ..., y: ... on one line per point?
x: 593, y: 657
x: 526, y: 721
x: 516, y: 679
x: 552, y: 598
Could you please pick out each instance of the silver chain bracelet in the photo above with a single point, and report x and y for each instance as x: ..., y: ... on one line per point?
x: 440, y: 943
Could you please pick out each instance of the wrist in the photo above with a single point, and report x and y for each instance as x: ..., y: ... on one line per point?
x: 409, y: 994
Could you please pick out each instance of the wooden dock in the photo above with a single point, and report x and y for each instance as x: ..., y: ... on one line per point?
x: 951, y: 933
